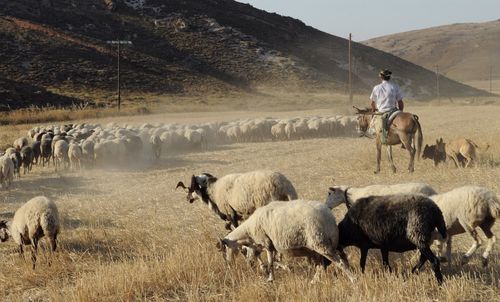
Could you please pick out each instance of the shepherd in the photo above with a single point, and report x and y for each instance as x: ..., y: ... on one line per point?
x: 389, y: 124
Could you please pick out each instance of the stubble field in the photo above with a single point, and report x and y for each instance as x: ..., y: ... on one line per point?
x: 127, y: 235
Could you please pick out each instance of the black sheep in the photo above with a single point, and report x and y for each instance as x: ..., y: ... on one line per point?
x: 35, y: 146
x: 27, y: 158
x: 393, y: 223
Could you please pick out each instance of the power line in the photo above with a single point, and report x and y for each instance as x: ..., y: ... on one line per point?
x: 350, y: 69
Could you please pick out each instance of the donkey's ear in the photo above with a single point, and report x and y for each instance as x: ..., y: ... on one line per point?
x: 441, y: 140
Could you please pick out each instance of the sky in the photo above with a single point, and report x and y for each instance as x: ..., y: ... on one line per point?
x: 367, y: 19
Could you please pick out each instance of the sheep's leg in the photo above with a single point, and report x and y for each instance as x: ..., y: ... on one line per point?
x: 475, y: 245
x: 486, y: 227
x: 448, y: 250
x: 440, y: 246
x: 385, y: 259
x: 270, y: 264
x: 362, y: 260
x: 391, y: 161
x: 319, y: 266
x: 34, y: 246
x: 53, y: 243
x: 420, y: 263
x: 435, y: 263
x: 21, y: 250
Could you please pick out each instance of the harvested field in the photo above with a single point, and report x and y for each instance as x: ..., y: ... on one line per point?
x: 128, y: 235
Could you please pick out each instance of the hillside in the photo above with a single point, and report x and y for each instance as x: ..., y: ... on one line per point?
x: 186, y: 47
x: 462, y: 51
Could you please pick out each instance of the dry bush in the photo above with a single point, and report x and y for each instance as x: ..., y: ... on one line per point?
x: 49, y: 114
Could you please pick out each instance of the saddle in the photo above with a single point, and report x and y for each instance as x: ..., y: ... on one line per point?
x: 387, y: 119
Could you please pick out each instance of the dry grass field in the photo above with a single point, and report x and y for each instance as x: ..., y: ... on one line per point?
x: 129, y: 236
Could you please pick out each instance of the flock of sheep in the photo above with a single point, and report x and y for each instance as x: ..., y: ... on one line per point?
x: 262, y: 209
x: 76, y: 145
x: 264, y: 213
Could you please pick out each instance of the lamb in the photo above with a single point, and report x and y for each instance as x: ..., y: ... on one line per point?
x: 298, y: 228
x: 464, y: 209
x: 36, y: 218
x: 393, y: 223
x: 235, y: 197
x: 348, y: 195
x: 6, y: 171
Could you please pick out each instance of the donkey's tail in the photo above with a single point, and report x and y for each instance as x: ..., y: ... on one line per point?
x: 419, y: 137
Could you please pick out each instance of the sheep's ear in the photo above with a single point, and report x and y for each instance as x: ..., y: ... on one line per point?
x: 3, y: 223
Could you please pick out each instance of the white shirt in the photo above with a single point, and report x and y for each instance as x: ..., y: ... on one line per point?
x: 386, y: 96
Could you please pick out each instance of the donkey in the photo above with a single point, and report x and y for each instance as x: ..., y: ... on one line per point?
x: 405, y: 129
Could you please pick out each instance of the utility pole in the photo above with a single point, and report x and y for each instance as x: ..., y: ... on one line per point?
x: 350, y: 70
x: 119, y: 42
x: 437, y: 83
x: 491, y: 77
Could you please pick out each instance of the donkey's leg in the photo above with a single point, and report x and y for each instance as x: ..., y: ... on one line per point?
x: 406, y: 139
x: 378, y: 144
x: 389, y: 155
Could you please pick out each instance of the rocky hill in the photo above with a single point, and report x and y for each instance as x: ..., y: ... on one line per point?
x: 186, y: 47
x: 463, y: 52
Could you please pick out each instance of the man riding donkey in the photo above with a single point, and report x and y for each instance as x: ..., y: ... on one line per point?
x: 389, y: 123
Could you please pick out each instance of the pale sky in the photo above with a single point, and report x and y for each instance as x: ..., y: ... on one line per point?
x: 367, y: 19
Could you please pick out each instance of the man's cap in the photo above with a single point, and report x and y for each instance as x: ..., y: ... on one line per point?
x: 385, y: 73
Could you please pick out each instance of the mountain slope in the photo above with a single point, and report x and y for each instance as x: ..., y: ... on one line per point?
x: 187, y: 47
x: 462, y: 51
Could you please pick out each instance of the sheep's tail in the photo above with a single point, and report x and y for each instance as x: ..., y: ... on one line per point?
x: 419, y: 137
x: 494, y: 206
x: 441, y: 225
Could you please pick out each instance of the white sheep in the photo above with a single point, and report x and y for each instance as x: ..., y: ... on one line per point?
x: 348, y: 195
x: 299, y: 228
x: 235, y: 197
x: 6, y: 171
x: 156, y: 143
x: 60, y: 153
x: 36, y: 218
x: 20, y: 143
x: 75, y: 155
x: 464, y: 209
x: 88, y: 151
